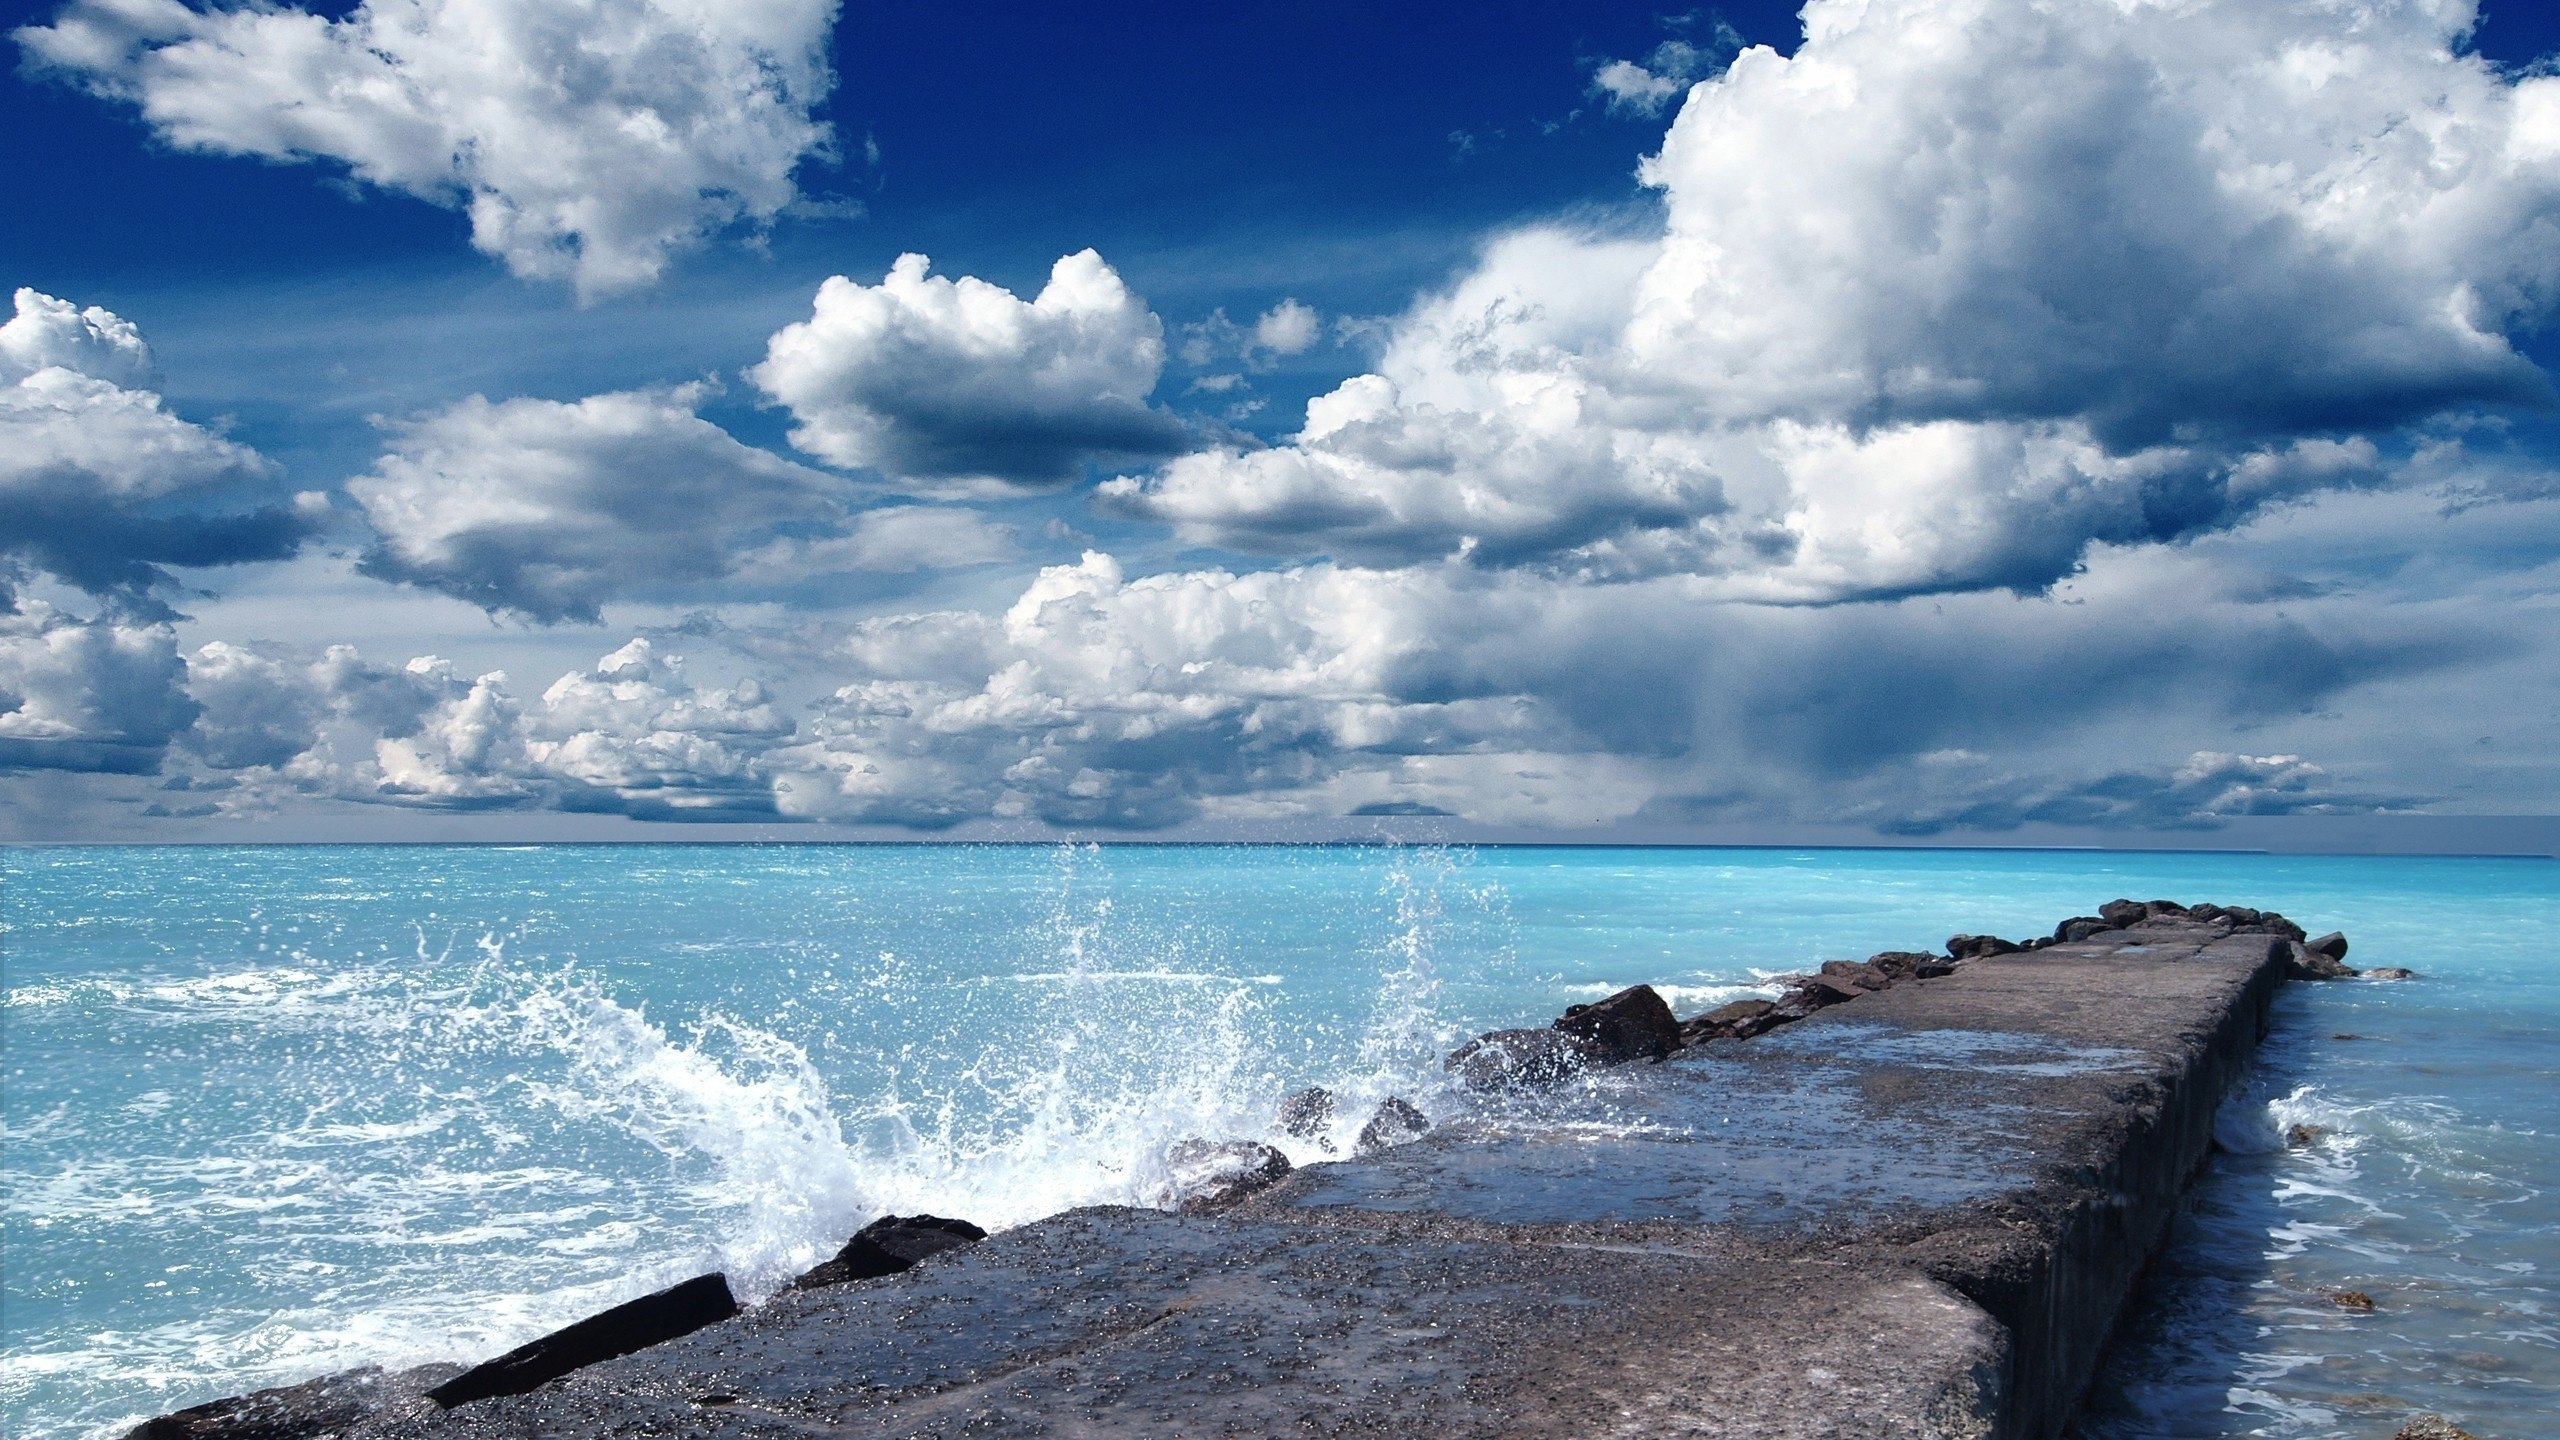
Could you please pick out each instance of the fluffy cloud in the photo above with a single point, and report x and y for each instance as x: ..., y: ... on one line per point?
x: 99, y: 484
x: 98, y: 694
x: 962, y: 384
x: 548, y: 508
x: 629, y: 736
x: 587, y: 139
x: 1947, y: 296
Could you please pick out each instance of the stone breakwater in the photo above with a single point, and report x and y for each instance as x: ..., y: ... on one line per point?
x: 1908, y: 1196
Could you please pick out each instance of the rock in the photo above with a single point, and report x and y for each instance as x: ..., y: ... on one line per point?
x: 1865, y: 977
x: 2390, y: 972
x: 2304, y: 963
x: 314, y: 1408
x: 2078, y: 928
x: 2297, y: 1137
x: 2276, y: 924
x: 1901, y: 964
x: 2123, y: 913
x: 1739, y: 1020
x: 1975, y: 947
x: 2432, y: 1427
x: 633, y: 1325
x: 1633, y: 1024
x: 2333, y: 945
x: 1808, y: 993
x: 1395, y: 1123
x: 1208, y: 1174
x: 2166, y: 910
x: 887, y: 1246
x: 2348, y: 1299
x: 1508, y: 1059
x: 2242, y: 915
x: 1307, y: 1114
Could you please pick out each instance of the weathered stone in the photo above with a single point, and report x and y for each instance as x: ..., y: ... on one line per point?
x: 308, y: 1411
x: 2165, y: 910
x: 2333, y: 945
x: 1210, y: 1174
x: 2432, y: 1427
x: 2275, y: 924
x: 2078, y: 928
x: 2309, y: 964
x: 888, y: 1246
x: 1308, y: 1113
x: 1633, y: 1024
x: 2122, y: 913
x: 652, y: 1319
x: 1509, y: 1059
x: 1739, y: 1020
x: 1823, y: 991
x: 1904, y: 964
x: 1974, y: 947
x: 2390, y: 972
x: 1395, y: 1123
x: 1865, y: 977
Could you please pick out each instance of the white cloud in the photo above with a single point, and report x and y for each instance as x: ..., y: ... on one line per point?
x: 549, y: 508
x: 99, y: 694
x: 1287, y: 328
x: 1947, y: 296
x: 99, y: 484
x: 962, y: 384
x: 587, y: 139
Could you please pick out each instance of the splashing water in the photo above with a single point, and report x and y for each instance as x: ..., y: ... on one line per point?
x: 275, y: 1112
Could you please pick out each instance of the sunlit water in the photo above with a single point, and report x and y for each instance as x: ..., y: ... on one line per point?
x: 275, y: 1112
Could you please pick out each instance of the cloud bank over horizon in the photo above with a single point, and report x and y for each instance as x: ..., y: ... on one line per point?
x: 2085, y: 414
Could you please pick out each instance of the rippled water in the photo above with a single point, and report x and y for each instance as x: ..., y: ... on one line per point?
x: 273, y: 1112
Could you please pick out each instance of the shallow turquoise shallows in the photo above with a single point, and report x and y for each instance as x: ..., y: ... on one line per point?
x: 278, y: 1111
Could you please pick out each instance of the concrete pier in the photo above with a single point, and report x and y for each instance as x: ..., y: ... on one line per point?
x: 1917, y: 1213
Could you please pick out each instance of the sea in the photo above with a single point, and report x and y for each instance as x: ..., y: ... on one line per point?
x: 276, y: 1111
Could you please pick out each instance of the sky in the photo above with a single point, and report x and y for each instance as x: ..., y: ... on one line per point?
x: 1895, y: 421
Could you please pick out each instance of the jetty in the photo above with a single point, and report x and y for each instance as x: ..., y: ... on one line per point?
x: 1907, y: 1197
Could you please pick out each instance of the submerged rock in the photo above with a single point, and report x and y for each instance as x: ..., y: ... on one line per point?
x: 888, y: 1246
x: 1395, y: 1123
x: 1207, y: 1174
x: 2432, y: 1427
x: 1634, y: 1024
x: 1510, y: 1059
x: 2298, y: 1137
x: 1307, y: 1114
x: 2390, y: 972
x: 2348, y: 1299
x: 312, y: 1409
x: 633, y: 1325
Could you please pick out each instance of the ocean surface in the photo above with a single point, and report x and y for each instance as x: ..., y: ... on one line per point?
x: 272, y: 1112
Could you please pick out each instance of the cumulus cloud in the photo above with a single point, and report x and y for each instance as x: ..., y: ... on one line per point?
x: 1645, y: 88
x: 1287, y: 328
x: 548, y: 509
x: 631, y: 735
x: 588, y: 140
x: 962, y: 384
x: 100, y: 694
x: 1947, y: 296
x: 99, y: 484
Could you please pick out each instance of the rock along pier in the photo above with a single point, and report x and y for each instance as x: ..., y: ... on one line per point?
x: 1908, y: 1197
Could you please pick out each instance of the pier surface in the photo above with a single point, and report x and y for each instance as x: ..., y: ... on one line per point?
x: 1915, y: 1213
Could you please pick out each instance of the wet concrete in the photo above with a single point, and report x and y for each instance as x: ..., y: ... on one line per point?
x: 1914, y: 1214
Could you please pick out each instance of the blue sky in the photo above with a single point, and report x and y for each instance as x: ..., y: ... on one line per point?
x: 1732, y: 462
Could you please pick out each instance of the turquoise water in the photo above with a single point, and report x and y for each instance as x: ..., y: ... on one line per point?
x: 277, y: 1111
